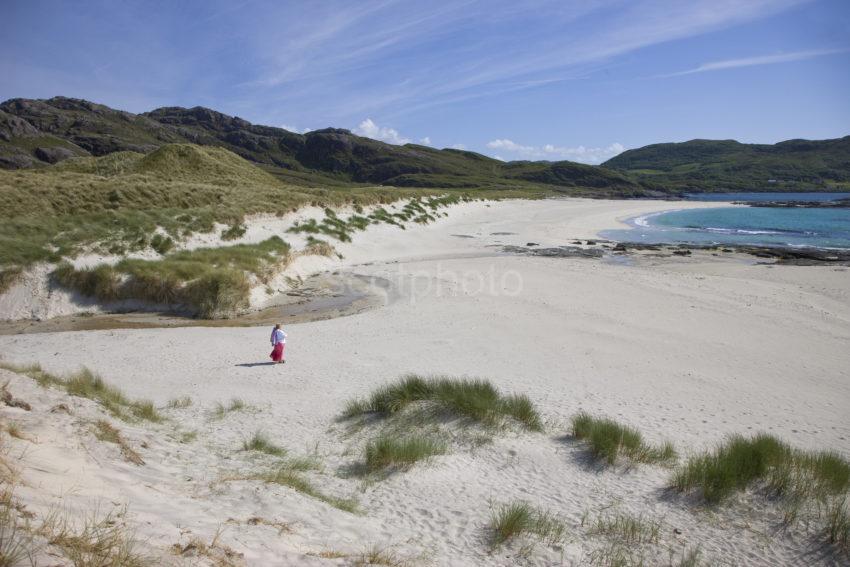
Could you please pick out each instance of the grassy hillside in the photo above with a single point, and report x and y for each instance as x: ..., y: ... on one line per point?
x: 120, y: 199
x: 716, y: 165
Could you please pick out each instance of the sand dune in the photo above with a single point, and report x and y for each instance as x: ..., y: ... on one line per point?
x: 687, y: 350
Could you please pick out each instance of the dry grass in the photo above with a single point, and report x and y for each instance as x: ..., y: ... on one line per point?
x: 319, y: 247
x: 17, y: 546
x: 625, y: 528
x: 217, y: 553
x: 14, y: 430
x: 287, y: 476
x: 92, y: 540
x: 179, y: 403
x: 289, y: 473
x: 690, y: 558
x: 87, y: 384
x: 8, y: 399
x: 377, y: 555
x: 104, y: 431
x: 281, y: 527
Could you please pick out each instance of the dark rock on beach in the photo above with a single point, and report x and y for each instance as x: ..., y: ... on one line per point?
x: 837, y: 204
x: 556, y: 252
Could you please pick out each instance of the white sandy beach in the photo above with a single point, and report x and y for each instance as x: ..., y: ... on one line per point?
x: 685, y: 349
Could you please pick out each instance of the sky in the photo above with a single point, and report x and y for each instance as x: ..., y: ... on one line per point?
x: 577, y: 80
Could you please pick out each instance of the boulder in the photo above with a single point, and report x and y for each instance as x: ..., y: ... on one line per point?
x: 53, y: 154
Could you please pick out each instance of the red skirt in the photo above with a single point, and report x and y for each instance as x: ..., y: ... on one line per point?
x: 277, y: 352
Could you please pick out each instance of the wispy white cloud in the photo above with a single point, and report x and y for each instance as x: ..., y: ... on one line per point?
x: 759, y: 60
x: 369, y: 129
x: 295, y: 129
x: 390, y: 57
x: 551, y: 152
x: 426, y: 141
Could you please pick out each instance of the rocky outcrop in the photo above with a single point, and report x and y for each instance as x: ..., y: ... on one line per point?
x: 53, y: 154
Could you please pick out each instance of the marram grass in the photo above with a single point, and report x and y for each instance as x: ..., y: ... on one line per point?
x: 741, y: 462
x: 87, y: 384
x: 211, y: 282
x: 509, y: 521
x: 609, y: 441
x: 388, y: 452
x: 475, y: 400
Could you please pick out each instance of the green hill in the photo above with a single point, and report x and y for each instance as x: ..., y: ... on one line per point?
x: 323, y: 158
x: 36, y: 133
x: 718, y: 165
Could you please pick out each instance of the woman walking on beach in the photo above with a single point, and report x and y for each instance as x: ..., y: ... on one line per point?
x: 278, y: 344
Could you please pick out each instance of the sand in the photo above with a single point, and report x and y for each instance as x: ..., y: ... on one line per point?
x: 686, y: 349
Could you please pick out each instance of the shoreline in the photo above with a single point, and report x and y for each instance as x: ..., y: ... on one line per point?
x: 35, y: 297
x: 313, y: 307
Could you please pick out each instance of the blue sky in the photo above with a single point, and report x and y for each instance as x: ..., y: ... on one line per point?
x: 579, y: 80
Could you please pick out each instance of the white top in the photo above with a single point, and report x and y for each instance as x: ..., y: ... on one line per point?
x: 278, y: 336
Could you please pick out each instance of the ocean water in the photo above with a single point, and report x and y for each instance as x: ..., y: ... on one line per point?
x: 759, y: 226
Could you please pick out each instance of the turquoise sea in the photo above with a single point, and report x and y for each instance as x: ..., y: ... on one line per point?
x: 759, y: 226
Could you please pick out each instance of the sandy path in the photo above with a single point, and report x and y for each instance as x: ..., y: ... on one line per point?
x: 687, y: 350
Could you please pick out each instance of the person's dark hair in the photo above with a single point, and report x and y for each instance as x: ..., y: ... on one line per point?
x: 277, y: 326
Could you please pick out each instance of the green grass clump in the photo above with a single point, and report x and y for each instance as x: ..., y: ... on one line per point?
x: 161, y: 244
x: 473, y: 399
x: 387, y: 452
x: 609, y: 440
x: 259, y: 442
x: 211, y: 282
x: 234, y: 232
x: 517, y: 518
x: 742, y: 461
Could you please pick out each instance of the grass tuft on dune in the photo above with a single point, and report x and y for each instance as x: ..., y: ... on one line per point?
x: 512, y: 520
x: 387, y: 452
x: 742, y: 461
x: 259, y: 442
x: 288, y: 475
x: 211, y: 282
x: 608, y: 441
x: 87, y: 384
x: 475, y: 400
